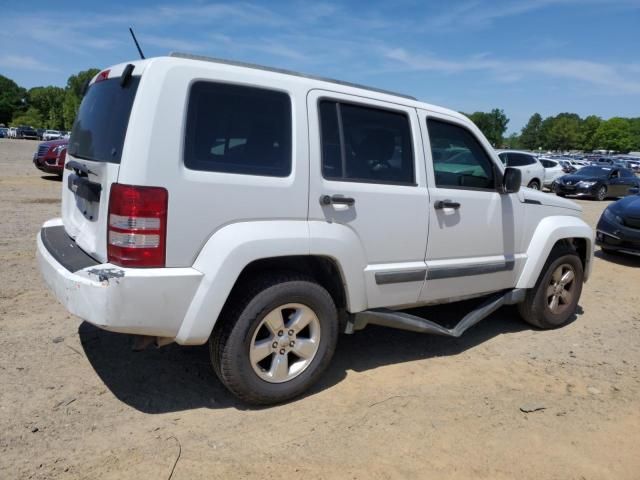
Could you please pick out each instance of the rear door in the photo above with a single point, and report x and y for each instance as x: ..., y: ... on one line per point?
x: 93, y: 158
x: 367, y: 178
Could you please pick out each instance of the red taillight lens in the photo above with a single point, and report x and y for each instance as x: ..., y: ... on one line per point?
x: 137, y: 229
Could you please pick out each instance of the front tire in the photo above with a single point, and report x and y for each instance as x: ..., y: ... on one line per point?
x: 533, y: 184
x: 601, y: 194
x: 553, y: 301
x: 275, y: 339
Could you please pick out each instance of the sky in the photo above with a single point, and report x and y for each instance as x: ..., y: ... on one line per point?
x: 523, y: 56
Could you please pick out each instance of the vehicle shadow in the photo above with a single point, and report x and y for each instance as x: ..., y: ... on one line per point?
x: 176, y: 378
x: 619, y: 258
x: 52, y: 178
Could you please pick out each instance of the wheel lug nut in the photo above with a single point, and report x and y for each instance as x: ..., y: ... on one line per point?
x: 282, y: 351
x: 280, y: 333
x: 291, y: 344
x: 275, y: 345
x: 291, y: 332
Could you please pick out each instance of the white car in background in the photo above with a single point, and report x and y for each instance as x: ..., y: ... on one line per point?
x: 533, y: 173
x: 51, y: 135
x: 552, y: 170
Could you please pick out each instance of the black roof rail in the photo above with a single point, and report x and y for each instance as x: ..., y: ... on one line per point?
x: 287, y: 72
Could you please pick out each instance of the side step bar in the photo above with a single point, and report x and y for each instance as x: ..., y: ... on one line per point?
x: 406, y: 321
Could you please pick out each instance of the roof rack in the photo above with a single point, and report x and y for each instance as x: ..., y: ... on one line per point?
x: 286, y: 72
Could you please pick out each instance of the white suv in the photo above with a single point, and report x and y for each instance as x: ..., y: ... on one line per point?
x: 532, y: 170
x: 264, y: 212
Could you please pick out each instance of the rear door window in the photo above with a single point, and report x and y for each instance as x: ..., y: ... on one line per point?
x: 101, y: 124
x: 365, y: 144
x: 238, y: 129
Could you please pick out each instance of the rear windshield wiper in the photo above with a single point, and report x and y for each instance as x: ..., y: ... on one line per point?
x: 79, y: 168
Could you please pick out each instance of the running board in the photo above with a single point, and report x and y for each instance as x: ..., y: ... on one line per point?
x: 406, y: 321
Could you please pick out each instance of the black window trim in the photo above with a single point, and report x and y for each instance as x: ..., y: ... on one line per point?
x: 497, y: 172
x: 185, y: 117
x: 363, y: 104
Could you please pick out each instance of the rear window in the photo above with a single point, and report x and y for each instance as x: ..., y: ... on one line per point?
x: 238, y: 129
x: 101, y: 125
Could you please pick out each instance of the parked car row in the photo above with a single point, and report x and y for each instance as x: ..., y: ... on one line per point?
x: 24, y: 131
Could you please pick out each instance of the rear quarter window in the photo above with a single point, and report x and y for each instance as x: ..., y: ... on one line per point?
x: 238, y: 129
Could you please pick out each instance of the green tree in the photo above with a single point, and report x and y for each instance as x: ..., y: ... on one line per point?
x: 634, y: 124
x: 11, y: 99
x: 530, y: 136
x: 48, y: 101
x: 492, y: 124
x: 31, y: 117
x: 588, y: 131
x: 69, y: 109
x: 615, y: 134
x: 564, y: 133
x: 73, y: 95
x: 514, y: 141
x: 76, y: 83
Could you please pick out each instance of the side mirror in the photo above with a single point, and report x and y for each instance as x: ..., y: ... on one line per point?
x: 511, y: 180
x: 634, y: 191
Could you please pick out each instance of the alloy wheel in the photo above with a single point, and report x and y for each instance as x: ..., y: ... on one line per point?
x: 561, y: 288
x: 285, y: 343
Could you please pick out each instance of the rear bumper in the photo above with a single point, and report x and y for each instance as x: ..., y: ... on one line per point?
x: 141, y: 301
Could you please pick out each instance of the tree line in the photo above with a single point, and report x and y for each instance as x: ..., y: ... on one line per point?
x: 49, y: 107
x: 562, y: 132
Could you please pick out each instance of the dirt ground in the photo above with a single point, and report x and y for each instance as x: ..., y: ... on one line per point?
x: 76, y: 402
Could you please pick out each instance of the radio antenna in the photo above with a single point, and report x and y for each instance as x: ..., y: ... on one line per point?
x: 135, y: 40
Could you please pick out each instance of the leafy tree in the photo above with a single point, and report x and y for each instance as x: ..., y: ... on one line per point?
x: 30, y: 118
x: 76, y: 83
x: 564, y: 133
x: 492, y: 124
x: 70, y: 107
x: 514, y: 141
x: 11, y: 99
x: 73, y: 95
x: 545, y: 133
x: 48, y: 101
x: 615, y: 134
x: 588, y: 131
x: 530, y: 136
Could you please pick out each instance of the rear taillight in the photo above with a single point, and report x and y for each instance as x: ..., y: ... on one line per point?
x: 137, y: 231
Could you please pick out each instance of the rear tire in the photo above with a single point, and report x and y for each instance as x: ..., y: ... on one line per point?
x: 533, y: 184
x: 553, y: 301
x: 262, y: 350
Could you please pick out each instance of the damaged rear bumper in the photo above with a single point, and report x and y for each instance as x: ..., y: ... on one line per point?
x: 141, y: 301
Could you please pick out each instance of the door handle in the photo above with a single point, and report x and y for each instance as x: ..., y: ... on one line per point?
x: 336, y: 200
x: 440, y: 204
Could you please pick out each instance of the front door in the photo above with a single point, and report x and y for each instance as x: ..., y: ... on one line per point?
x: 368, y: 187
x: 474, y: 243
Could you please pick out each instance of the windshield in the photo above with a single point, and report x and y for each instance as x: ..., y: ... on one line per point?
x: 101, y: 125
x: 594, y: 172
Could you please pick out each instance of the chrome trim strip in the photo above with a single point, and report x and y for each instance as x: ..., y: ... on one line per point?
x: 439, y: 273
x: 406, y: 276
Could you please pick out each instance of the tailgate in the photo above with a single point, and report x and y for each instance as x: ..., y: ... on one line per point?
x: 94, y: 156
